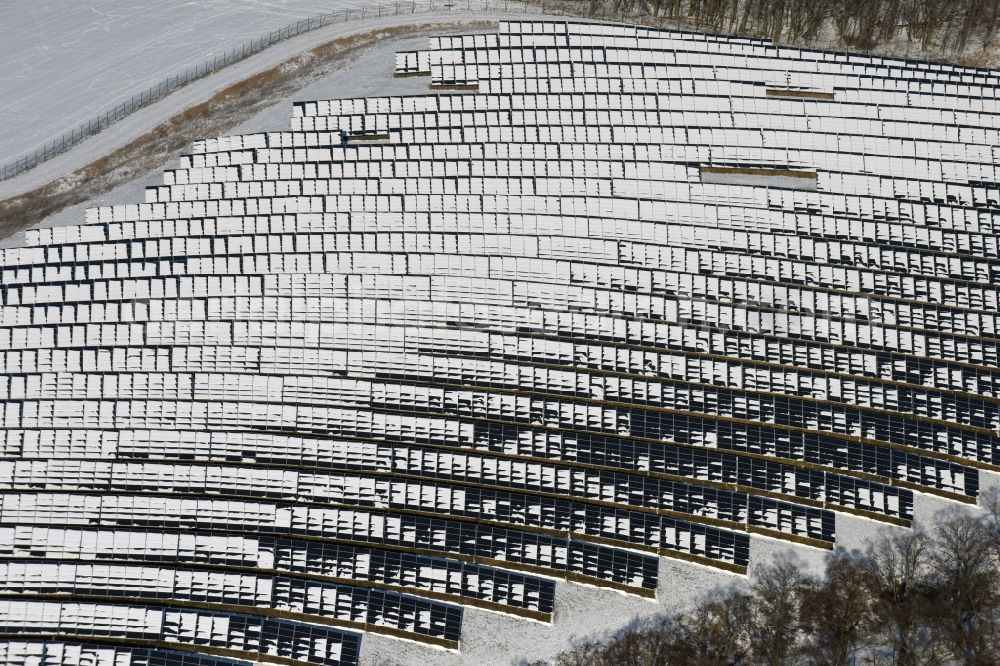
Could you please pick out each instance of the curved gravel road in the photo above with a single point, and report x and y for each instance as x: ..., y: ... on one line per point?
x: 139, y: 123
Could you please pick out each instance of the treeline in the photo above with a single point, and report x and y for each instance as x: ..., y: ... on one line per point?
x: 948, y: 25
x: 912, y: 598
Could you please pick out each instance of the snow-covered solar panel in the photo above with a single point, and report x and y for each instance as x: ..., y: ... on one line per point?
x: 604, y: 294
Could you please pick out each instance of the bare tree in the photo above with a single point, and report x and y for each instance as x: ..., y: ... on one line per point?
x: 805, y: 18
x: 643, y: 646
x: 964, y: 570
x: 912, y: 599
x: 898, y: 570
x: 715, y: 633
x: 776, y: 597
x: 991, y: 503
x: 836, y: 610
x: 864, y: 24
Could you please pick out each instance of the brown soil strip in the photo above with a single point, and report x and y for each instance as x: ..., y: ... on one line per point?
x: 213, y: 117
x: 798, y: 94
x: 755, y: 171
x: 454, y: 86
x: 361, y: 138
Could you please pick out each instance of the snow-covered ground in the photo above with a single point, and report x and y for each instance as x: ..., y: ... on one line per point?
x: 142, y: 121
x: 66, y: 61
x: 369, y: 74
x: 586, y: 613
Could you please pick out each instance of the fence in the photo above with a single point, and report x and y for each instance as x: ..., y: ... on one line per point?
x: 70, y: 138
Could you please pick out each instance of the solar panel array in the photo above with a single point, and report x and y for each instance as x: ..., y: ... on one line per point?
x: 606, y: 294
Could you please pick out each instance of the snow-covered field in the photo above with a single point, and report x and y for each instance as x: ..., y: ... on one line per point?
x: 369, y: 74
x: 66, y: 61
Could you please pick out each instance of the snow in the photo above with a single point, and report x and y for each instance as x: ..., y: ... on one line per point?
x: 370, y: 73
x: 65, y: 62
x: 582, y: 612
x: 142, y: 121
x: 989, y: 481
x: 488, y: 638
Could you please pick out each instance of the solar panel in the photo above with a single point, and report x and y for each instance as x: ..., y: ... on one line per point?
x: 604, y: 294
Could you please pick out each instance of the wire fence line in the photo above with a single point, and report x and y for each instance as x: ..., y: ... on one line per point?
x: 94, y: 125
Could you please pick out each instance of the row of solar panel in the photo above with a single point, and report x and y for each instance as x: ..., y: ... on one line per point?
x: 598, y: 246
x: 673, y: 94
x: 506, y: 49
x: 682, y: 145
x: 534, y: 551
x: 872, y: 424
x: 690, y: 338
x: 634, y: 204
x: 652, y: 295
x: 894, y: 366
x: 273, y: 638
x: 209, y: 589
x: 732, y: 126
x: 598, y: 99
x: 500, y: 589
x: 513, y: 445
x: 822, y: 240
x: 388, y: 420
x: 657, y: 294
x: 531, y: 32
x: 783, y: 201
x: 207, y: 273
x: 504, y: 70
x: 567, y: 78
x: 478, y: 287
x: 567, y: 179
x: 330, y: 351
x: 21, y: 651
x: 637, y: 36
x: 103, y: 241
x: 458, y: 481
x: 684, y: 103
x: 524, y: 379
